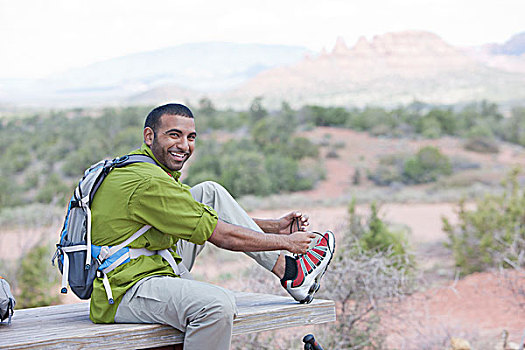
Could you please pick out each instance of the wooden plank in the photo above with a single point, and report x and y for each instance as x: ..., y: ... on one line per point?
x: 69, y: 327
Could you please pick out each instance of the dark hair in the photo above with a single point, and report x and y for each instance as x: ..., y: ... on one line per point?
x: 153, y: 118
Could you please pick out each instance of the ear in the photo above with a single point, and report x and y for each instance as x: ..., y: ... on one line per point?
x: 149, y: 135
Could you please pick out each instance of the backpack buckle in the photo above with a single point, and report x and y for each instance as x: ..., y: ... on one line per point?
x: 120, y: 160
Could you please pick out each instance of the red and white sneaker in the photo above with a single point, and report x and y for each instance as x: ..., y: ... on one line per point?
x: 310, y: 268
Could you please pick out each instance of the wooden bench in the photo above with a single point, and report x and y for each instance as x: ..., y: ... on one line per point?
x: 69, y: 327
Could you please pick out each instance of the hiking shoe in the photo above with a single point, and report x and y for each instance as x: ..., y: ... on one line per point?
x: 311, y: 266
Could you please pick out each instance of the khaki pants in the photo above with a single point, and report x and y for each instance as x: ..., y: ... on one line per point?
x: 203, y: 311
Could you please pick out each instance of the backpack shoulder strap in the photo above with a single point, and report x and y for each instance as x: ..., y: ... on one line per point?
x: 133, y: 158
x: 118, y: 163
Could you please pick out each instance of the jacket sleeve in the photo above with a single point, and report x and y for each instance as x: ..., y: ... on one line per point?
x: 169, y: 207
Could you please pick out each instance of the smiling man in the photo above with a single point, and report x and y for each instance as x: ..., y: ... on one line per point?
x: 150, y: 289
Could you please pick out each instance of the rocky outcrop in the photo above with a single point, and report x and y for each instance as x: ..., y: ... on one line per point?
x: 389, y: 69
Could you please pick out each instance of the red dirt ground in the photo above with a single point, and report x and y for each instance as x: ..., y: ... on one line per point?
x: 478, y: 306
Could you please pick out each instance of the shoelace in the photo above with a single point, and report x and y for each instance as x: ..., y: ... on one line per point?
x: 296, y: 222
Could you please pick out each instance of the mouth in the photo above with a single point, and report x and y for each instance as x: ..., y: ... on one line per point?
x: 179, y: 156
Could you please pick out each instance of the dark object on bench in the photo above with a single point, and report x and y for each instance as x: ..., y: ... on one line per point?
x: 310, y: 343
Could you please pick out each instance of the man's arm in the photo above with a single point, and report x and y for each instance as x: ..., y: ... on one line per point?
x: 238, y: 238
x: 282, y: 225
x: 267, y: 225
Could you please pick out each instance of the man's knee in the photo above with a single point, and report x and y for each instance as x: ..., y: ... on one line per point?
x: 208, y: 191
x: 211, y: 186
x: 222, y: 306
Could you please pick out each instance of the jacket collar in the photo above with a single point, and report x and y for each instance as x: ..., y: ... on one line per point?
x: 144, y: 149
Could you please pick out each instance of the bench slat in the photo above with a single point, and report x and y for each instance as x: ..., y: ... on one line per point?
x: 69, y: 327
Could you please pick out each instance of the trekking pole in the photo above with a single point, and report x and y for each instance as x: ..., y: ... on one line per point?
x: 310, y: 343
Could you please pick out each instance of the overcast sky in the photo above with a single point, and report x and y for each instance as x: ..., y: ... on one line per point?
x: 41, y: 37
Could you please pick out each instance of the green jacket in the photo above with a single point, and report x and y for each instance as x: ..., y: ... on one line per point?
x: 129, y: 198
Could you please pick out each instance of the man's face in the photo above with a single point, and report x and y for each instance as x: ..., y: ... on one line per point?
x: 173, y: 142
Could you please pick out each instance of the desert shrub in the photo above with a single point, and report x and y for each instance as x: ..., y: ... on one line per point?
x: 244, y: 173
x: 482, y: 114
x: 481, y: 145
x: 257, y: 110
x: 370, y: 271
x: 460, y: 164
x: 445, y: 119
x: 35, y: 278
x: 373, y: 234
x: 381, y: 130
x: 332, y: 153
x: 384, y: 175
x: 363, y: 283
x: 271, y: 131
x: 54, y: 190
x: 356, y: 178
x: 266, y: 162
x: 369, y: 117
x: 427, y: 165
x: 126, y: 140
x: 492, y: 234
x: 78, y: 161
x: 301, y: 147
x: 282, y: 172
x: 326, y: 116
x: 430, y: 128
x: 9, y: 191
x: 31, y: 215
x: 514, y: 127
x: 243, y: 167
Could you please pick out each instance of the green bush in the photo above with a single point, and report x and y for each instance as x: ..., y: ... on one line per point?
x: 492, y: 234
x: 35, y: 279
x: 16, y: 158
x: 514, y: 127
x: 301, y: 147
x: 9, y: 192
x: 430, y: 128
x: 282, y: 172
x: 426, y: 166
x: 385, y: 175
x: 244, y: 173
x: 54, y: 190
x: 373, y: 234
x: 370, y: 270
x: 369, y: 117
x: 266, y: 163
x: 481, y: 145
x: 327, y: 116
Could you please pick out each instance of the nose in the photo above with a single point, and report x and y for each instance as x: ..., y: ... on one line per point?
x: 183, y: 144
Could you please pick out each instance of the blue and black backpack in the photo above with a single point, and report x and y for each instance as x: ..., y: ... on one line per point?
x: 79, y: 261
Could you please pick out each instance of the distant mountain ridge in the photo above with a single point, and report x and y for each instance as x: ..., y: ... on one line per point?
x: 391, y: 69
x: 208, y: 66
x: 507, y: 57
x: 388, y: 70
x: 515, y: 46
x: 196, y: 68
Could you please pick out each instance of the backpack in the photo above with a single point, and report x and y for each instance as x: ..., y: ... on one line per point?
x: 7, y: 301
x: 79, y: 261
